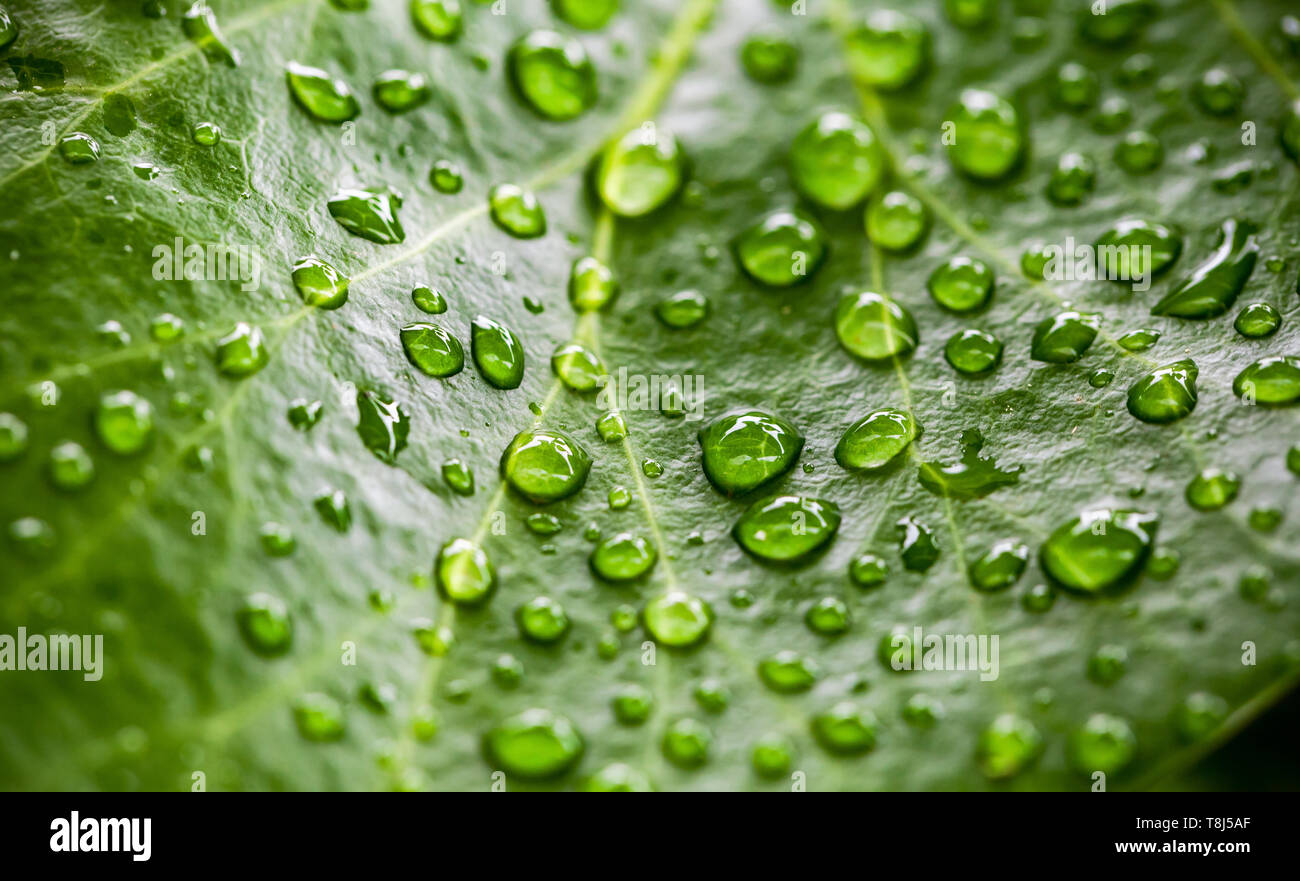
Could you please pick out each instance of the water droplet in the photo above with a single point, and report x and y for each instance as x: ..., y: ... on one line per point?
x: 440, y: 20
x: 873, y: 327
x: 428, y: 300
x: 1114, y: 115
x: 166, y: 328
x: 304, y: 414
x: 589, y: 15
x: 772, y: 756
x: 1139, y: 152
x: 382, y: 424
x: 829, y: 616
x: 1218, y: 92
x: 1122, y: 251
x: 517, y: 211
x: 632, y: 705
x: 242, y: 352
x: 640, y: 171
x: 1213, y: 286
x: 146, y: 170
x: 970, y: 13
x: 1073, y: 178
x: 577, y: 367
x: 769, y: 58
x: 1270, y: 381
x: 277, y: 539
x: 616, y: 777
x: 1136, y: 71
x: 124, y: 422
x: 845, y: 729
x: 1076, y: 86
x: 332, y: 505
x: 677, y: 619
x: 1000, y: 566
x: 1166, y: 394
x: 13, y: 437
x: 1199, y: 715
x: 8, y: 29
x: 1008, y: 746
x: 319, y: 718
x: 369, y: 213
x: 535, y: 745
x: 458, y: 476
x: 683, y: 309
x: 1212, y: 488
x: 1120, y: 21
x: 916, y: 545
x: 974, y: 477
x: 973, y: 352
x: 868, y: 571
x: 623, y: 557
x: 783, y: 249
x: 592, y: 285
x: 1291, y: 131
x: 889, y: 50
x: 432, y: 349
x: 877, y: 439
x: 398, y: 91
x: 786, y: 528
x: 1099, y: 550
x: 1065, y: 337
x: 788, y: 672
x: 962, y: 284
x: 1108, y: 664
x: 78, y: 148
x: 320, y: 284
x: 836, y: 161
x: 651, y: 468
x: 896, y: 221
x: 1257, y: 320
x: 1038, y: 598
x: 611, y: 427
x: 206, y: 134
x: 265, y: 624
x: 686, y: 743
x: 464, y: 573
x: 990, y: 141
x: 1264, y: 518
x: 542, y: 620
x: 446, y: 177
x: 545, y: 465
x: 70, y: 467
x: 1139, y: 340
x: 1105, y: 743
x: 497, y: 353
x: 326, y: 99
x: 199, y: 23
x: 552, y: 74
x: 746, y: 449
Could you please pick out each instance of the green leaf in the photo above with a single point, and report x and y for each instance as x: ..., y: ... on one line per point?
x: 259, y: 556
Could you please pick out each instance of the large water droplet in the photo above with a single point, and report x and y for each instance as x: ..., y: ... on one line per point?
x: 1213, y: 286
x: 577, y: 367
x: 1098, y: 550
x: 623, y: 557
x: 1166, y: 394
x: 640, y: 171
x: 836, y: 161
x: 265, y: 624
x: 369, y: 213
x: 535, y: 745
x: 896, y: 221
x: 542, y: 620
x: 1105, y: 743
x: 747, y: 449
x: 1000, y: 566
x: 1273, y: 381
x: 782, y: 249
x: 916, y: 545
x: 592, y: 285
x: 199, y: 23
x: 769, y: 58
x: 1257, y: 320
x: 517, y: 211
x: 877, y: 439
x: 398, y: 91
x: 786, y: 529
x: 788, y: 672
x: 70, y: 466
x: 677, y: 618
x: 242, y: 352
x: 973, y: 352
x: 545, y: 465
x: 319, y: 718
x: 1212, y: 488
x: 13, y: 437
x: 325, y: 98
x: 889, y: 50
x: 464, y: 572
x: 440, y: 20
x: 1008, y: 746
x: 497, y: 353
x: 873, y: 327
x: 1064, y: 338
x: 989, y: 140
x: 962, y: 284
x: 78, y: 148
x: 845, y: 729
x: 320, y: 284
x: 432, y: 349
x: 589, y: 15
x: 552, y: 74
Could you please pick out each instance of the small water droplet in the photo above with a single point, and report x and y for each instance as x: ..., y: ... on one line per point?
x: 320, y: 284
x: 325, y: 98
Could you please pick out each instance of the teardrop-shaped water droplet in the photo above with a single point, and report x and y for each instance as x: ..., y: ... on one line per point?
x: 989, y: 141
x: 464, y: 572
x: 333, y: 508
x: 545, y: 465
x: 1104, y: 744
x: 1099, y: 550
x: 1213, y: 286
x: 1271, y: 381
x: 746, y: 449
x: 836, y: 161
x: 382, y: 424
x: 553, y: 74
x: 1166, y: 394
x: 320, y: 284
x: 199, y: 23
x: 1065, y: 337
x: 877, y: 439
x: 640, y: 171
x: 369, y: 213
x: 458, y: 476
x: 534, y: 745
x: 786, y: 529
x: 1139, y: 340
x: 783, y: 249
x: 440, y: 20
x: 497, y: 353
x: 916, y: 545
x: 517, y: 211
x: 446, y: 177
x: 623, y: 557
x: 432, y: 349
x: 428, y: 300
x: 325, y: 98
x: 874, y: 327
